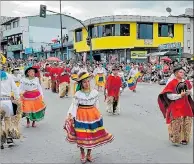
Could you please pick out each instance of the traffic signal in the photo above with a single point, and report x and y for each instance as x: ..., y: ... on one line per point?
x: 43, y: 11
x: 88, y: 40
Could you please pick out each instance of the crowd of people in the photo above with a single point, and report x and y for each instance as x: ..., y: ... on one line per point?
x: 22, y: 96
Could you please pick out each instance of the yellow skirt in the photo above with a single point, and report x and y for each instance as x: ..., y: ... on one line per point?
x: 100, y: 80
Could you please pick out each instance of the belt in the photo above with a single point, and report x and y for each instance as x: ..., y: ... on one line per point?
x: 4, y: 98
x: 85, y: 106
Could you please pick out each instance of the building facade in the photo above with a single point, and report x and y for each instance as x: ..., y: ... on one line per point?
x: 129, y: 37
x: 33, y: 35
x: 188, y: 31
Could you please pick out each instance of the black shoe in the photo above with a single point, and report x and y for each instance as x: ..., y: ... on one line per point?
x: 9, y: 140
x: 2, y: 147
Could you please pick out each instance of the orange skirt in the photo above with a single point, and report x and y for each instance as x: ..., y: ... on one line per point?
x: 33, y: 106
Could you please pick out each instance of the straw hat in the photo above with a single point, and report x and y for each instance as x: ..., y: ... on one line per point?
x: 83, y: 75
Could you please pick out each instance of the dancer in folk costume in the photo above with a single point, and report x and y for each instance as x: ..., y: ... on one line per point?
x: 100, y: 75
x: 37, y: 66
x: 121, y: 74
x: 33, y: 106
x: 16, y: 76
x: 134, y: 74
x: 74, y: 77
x: 84, y: 124
x: 54, y: 77
x: 64, y: 84
x: 112, y: 91
x: 46, y: 76
x: 82, y: 68
x: 10, y: 111
x: 177, y: 107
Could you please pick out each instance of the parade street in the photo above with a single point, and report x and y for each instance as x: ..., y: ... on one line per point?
x: 140, y: 134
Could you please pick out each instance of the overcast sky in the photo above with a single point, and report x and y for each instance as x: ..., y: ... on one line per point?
x: 87, y: 9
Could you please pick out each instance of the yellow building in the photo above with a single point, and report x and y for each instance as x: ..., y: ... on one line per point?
x: 129, y: 37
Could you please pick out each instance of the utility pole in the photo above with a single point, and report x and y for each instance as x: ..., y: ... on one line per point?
x: 61, y: 30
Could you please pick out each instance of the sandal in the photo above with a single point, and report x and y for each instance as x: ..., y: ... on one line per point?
x: 33, y: 124
x: 82, y: 158
x: 89, y: 158
x: 28, y: 124
x: 184, y: 143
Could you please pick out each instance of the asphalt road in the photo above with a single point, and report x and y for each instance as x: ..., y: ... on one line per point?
x: 140, y: 134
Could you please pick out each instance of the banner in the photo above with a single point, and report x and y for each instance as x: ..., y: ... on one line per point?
x: 138, y: 54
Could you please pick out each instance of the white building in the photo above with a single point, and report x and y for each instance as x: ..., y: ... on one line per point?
x: 29, y: 35
x: 188, y: 31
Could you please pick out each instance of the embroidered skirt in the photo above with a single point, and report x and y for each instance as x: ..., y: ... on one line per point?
x: 33, y: 106
x: 87, y: 129
x: 100, y: 80
x: 180, y: 129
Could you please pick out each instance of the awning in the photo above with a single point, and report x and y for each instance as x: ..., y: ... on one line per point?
x: 187, y: 55
x: 163, y: 53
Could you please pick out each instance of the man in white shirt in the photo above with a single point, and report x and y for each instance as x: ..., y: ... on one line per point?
x: 6, y: 108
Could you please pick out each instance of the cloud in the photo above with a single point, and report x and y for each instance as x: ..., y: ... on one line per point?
x: 88, y: 9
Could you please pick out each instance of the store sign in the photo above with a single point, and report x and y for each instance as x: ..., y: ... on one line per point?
x: 28, y: 51
x: 148, y: 42
x: 138, y: 54
x: 170, y: 46
x: 18, y: 47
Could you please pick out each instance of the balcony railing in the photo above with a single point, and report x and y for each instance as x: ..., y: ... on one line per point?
x: 18, y: 47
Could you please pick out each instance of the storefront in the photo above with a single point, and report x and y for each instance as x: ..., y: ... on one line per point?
x: 138, y: 56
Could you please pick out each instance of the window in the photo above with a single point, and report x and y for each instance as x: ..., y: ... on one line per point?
x: 145, y: 31
x: 93, y: 31
x: 8, y: 26
x: 117, y: 30
x: 109, y: 30
x: 188, y: 27
x: 78, y: 35
x: 100, y: 31
x: 188, y: 44
x: 165, y: 30
x: 15, y: 24
x: 124, y: 30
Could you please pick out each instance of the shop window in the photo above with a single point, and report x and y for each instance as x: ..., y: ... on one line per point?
x: 165, y: 30
x: 78, y: 35
x: 124, y: 30
x: 144, y: 31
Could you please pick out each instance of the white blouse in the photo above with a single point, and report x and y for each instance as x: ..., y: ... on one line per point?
x: 99, y: 70
x: 17, y: 77
x: 82, y: 98
x: 30, y: 85
x: 8, y: 86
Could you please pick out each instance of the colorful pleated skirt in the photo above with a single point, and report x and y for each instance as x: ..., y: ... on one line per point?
x: 100, y: 80
x: 87, y: 129
x: 33, y: 106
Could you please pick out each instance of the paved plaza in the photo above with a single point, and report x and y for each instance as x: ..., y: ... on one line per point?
x: 140, y: 134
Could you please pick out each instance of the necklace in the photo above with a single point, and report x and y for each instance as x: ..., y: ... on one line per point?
x: 86, y: 92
